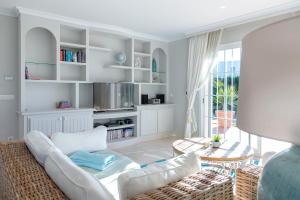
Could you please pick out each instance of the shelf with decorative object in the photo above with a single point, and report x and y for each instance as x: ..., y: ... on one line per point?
x: 159, y: 66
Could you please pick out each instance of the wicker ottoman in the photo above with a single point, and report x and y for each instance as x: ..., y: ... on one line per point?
x: 246, y: 182
x: 204, y: 185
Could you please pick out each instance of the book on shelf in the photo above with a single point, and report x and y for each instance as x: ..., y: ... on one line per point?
x: 119, y: 134
x: 72, y: 56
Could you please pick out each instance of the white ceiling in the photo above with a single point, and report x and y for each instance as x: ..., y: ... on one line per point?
x: 166, y: 19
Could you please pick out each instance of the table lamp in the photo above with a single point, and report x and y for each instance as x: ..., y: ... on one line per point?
x: 269, y: 102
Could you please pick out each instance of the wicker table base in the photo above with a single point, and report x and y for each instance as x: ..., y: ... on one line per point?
x: 204, y: 185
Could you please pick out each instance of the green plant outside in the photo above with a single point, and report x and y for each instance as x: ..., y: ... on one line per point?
x: 231, y: 93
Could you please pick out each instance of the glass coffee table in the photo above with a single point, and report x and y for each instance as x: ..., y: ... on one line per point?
x: 230, y: 155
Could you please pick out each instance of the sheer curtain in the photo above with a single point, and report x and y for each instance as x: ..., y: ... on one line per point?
x: 202, y: 53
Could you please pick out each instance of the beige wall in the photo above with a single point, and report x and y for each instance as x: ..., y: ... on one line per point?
x: 178, y: 63
x: 8, y: 66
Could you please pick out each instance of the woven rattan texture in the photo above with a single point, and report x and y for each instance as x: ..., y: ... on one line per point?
x: 204, y: 185
x: 22, y: 178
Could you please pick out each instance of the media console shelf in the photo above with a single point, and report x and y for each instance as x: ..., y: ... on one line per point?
x: 119, y: 131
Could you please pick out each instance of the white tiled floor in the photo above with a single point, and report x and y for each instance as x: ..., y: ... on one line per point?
x: 148, y: 152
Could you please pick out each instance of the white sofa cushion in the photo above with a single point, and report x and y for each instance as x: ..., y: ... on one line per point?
x: 157, y: 175
x: 39, y: 145
x: 92, y: 140
x: 72, y: 180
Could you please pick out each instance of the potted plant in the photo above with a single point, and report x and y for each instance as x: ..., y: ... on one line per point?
x: 219, y: 100
x: 216, y: 141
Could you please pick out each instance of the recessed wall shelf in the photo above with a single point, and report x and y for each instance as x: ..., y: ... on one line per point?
x: 158, y: 72
x: 72, y: 63
x: 142, y: 68
x: 120, y: 127
x: 54, y: 81
x: 100, y: 49
x: 153, y: 83
x: 72, y: 45
x: 38, y: 63
x: 40, y: 81
x: 142, y: 54
x: 120, y: 67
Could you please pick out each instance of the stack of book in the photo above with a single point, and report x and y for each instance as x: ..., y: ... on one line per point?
x: 72, y: 55
x: 119, y: 134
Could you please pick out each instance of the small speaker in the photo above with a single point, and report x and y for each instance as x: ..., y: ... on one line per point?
x: 161, y: 97
x: 145, y: 99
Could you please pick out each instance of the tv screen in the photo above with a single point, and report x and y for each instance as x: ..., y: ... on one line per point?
x: 113, y: 96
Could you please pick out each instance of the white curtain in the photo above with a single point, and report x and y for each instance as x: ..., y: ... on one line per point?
x: 202, y: 52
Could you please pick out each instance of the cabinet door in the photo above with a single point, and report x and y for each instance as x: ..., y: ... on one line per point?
x: 77, y: 122
x: 47, y: 124
x: 165, y: 120
x: 148, y: 122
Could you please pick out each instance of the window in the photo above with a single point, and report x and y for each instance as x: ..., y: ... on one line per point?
x: 221, y: 94
x: 218, y: 111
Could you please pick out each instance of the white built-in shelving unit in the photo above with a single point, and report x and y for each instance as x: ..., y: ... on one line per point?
x: 52, y: 79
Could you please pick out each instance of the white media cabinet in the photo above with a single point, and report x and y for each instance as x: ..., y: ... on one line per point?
x: 52, y: 80
x: 149, y: 122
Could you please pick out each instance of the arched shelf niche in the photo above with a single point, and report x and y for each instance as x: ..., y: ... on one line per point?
x: 159, y: 73
x: 40, y: 54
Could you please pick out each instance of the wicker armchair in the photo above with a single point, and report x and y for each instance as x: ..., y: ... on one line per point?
x: 246, y: 182
x: 22, y: 178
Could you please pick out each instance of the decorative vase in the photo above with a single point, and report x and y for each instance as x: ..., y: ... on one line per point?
x: 280, y: 177
x: 120, y: 58
x: 154, y: 65
x: 216, y: 144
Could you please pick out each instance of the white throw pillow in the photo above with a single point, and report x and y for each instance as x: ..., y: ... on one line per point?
x: 93, y: 140
x: 39, y: 145
x: 157, y: 175
x: 72, y: 180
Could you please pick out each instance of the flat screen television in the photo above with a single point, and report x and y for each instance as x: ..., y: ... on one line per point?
x: 113, y: 96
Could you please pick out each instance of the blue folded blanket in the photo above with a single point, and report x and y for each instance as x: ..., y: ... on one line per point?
x: 92, y: 160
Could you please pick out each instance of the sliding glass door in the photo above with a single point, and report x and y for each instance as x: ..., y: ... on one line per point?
x: 219, y: 102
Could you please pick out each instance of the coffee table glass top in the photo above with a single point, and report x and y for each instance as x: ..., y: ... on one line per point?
x: 228, y: 151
